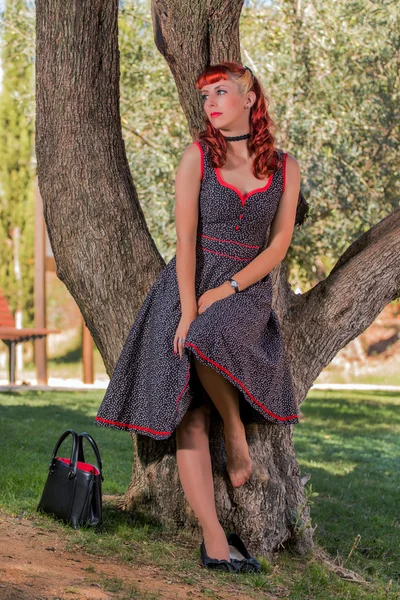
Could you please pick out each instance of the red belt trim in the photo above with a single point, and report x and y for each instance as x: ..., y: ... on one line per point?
x: 222, y: 254
x: 129, y: 426
x: 230, y: 241
x: 241, y: 384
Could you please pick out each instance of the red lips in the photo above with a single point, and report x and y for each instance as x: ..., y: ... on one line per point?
x: 215, y: 114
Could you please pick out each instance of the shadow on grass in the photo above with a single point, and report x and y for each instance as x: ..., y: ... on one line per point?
x: 372, y: 407
x: 72, y: 356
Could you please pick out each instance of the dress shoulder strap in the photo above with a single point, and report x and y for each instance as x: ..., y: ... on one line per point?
x: 283, y: 168
x: 280, y: 173
x: 205, y: 161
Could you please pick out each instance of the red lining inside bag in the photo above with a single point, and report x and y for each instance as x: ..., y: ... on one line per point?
x: 81, y: 465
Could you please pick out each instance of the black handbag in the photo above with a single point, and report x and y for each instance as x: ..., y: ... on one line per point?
x: 72, y: 491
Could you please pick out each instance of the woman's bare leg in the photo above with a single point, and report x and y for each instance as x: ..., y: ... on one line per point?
x: 225, y: 396
x: 195, y: 473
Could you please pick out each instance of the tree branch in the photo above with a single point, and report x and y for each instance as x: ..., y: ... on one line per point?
x: 322, y: 321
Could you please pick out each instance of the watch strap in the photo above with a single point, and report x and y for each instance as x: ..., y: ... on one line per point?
x: 234, y: 284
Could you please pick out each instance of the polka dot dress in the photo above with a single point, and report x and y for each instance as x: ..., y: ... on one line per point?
x: 239, y: 336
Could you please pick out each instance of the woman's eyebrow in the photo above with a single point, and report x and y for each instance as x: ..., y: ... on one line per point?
x: 218, y: 86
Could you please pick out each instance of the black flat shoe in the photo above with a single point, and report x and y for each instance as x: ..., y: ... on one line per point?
x: 240, y: 557
x: 215, y: 563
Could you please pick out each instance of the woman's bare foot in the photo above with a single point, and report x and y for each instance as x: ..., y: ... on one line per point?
x: 216, y: 544
x: 239, y: 462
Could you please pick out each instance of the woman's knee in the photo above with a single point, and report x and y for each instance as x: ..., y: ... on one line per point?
x: 195, y: 422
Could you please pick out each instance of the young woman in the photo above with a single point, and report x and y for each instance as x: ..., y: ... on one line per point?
x: 206, y: 341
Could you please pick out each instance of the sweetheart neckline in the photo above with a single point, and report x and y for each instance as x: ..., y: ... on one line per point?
x: 243, y: 197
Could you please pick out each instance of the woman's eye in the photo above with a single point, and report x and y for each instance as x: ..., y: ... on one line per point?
x: 204, y: 96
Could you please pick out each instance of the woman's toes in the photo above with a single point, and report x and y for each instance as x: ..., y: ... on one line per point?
x: 239, y: 463
x: 239, y: 476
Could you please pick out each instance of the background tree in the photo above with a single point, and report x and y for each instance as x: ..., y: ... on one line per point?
x: 16, y: 161
x: 108, y: 260
x: 334, y: 92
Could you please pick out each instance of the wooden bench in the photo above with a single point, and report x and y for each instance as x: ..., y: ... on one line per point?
x: 12, y: 336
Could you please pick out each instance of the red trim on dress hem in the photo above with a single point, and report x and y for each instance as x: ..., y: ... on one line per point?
x: 184, y: 387
x: 284, y: 171
x: 201, y: 159
x: 222, y: 254
x: 241, y: 384
x: 138, y: 427
x: 129, y: 426
x: 243, y: 197
x: 230, y: 241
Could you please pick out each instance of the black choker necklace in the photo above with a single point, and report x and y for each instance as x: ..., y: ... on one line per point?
x: 236, y: 138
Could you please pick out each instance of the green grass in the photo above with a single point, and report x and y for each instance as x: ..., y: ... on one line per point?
x: 351, y: 447
x: 378, y: 372
x: 349, y: 442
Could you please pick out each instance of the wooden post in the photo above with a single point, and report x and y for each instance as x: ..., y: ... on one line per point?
x: 87, y: 354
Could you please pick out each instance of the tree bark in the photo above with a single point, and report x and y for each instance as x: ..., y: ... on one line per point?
x: 105, y: 255
x: 102, y: 247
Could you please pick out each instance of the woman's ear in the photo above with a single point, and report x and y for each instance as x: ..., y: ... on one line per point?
x: 251, y: 98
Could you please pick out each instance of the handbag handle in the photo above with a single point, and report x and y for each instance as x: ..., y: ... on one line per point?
x: 81, y: 455
x: 74, y: 452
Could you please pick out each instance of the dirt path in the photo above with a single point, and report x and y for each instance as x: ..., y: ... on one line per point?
x: 34, y: 565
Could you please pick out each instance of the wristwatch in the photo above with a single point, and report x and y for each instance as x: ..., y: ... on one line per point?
x: 234, y: 284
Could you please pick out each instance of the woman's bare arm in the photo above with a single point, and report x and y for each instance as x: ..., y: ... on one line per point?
x: 281, y: 231
x: 187, y: 188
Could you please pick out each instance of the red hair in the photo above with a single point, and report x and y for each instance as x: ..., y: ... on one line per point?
x: 261, y: 142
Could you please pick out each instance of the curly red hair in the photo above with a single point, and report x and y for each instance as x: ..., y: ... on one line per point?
x: 262, y: 141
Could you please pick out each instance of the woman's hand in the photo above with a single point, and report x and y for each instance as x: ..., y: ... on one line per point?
x: 181, y: 332
x: 213, y: 295
x: 204, y: 301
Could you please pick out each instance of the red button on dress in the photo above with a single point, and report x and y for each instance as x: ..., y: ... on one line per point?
x: 240, y: 216
x: 237, y: 227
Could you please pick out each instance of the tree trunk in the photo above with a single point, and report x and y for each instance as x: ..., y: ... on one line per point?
x: 103, y: 250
